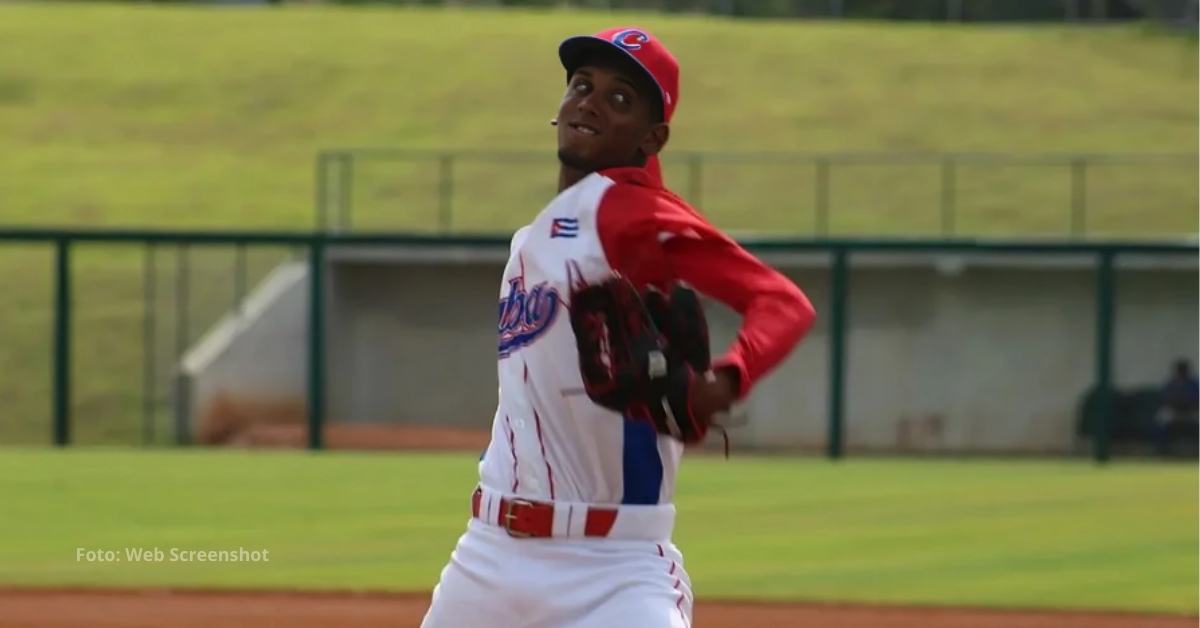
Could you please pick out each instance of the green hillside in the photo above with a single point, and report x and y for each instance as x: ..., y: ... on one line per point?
x: 149, y: 115
x: 154, y: 116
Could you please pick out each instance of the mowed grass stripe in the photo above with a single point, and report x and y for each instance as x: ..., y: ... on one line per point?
x: 202, y: 116
x: 989, y: 533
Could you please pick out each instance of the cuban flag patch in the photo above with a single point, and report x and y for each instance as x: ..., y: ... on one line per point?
x: 564, y: 228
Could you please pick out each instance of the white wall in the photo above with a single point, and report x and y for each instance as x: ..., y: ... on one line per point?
x: 945, y: 353
x: 252, y: 363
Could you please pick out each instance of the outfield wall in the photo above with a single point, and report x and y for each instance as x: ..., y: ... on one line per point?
x: 962, y: 352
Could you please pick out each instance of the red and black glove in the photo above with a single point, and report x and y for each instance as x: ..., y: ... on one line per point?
x: 641, y: 357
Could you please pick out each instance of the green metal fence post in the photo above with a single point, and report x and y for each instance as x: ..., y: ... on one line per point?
x: 321, y: 204
x: 445, y: 192
x: 239, y: 277
x: 949, y: 195
x: 1105, y: 317
x: 149, y: 346
x: 316, y: 342
x: 821, y: 222
x: 954, y: 10
x: 182, y: 338
x: 345, y: 191
x: 62, y: 343
x: 1078, y: 196
x: 837, y: 351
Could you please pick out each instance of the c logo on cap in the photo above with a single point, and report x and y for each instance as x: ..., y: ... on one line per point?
x: 630, y: 39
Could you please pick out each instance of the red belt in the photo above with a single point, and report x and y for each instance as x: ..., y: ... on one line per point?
x: 524, y: 518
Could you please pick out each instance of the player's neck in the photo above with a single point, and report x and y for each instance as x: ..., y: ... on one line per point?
x: 568, y: 176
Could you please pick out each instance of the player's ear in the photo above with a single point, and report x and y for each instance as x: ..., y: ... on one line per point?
x: 656, y: 138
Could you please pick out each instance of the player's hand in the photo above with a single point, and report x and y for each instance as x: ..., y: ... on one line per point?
x: 711, y: 393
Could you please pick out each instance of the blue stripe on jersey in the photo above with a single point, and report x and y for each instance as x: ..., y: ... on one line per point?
x: 643, y: 468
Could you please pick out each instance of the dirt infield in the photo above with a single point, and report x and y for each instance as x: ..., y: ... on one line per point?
x: 206, y: 609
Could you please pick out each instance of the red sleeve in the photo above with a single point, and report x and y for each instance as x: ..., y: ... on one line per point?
x: 654, y: 238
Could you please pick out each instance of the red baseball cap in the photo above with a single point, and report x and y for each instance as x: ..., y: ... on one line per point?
x: 636, y: 43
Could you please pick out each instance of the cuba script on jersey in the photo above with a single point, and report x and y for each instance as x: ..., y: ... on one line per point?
x: 525, y: 315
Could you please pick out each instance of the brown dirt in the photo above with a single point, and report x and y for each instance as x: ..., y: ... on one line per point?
x: 365, y: 437
x: 280, y: 423
x: 30, y: 608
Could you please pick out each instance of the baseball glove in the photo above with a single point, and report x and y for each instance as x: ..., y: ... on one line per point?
x: 640, y: 354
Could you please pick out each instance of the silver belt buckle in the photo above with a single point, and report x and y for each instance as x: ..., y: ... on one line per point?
x: 506, y: 517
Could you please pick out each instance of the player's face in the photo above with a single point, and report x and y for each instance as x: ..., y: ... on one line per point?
x: 604, y: 122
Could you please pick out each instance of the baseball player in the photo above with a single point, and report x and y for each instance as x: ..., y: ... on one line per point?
x: 604, y: 369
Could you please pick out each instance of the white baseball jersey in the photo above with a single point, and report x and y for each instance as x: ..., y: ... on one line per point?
x: 549, y: 440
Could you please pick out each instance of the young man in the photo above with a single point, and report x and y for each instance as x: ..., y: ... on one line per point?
x: 1177, y: 414
x: 573, y: 517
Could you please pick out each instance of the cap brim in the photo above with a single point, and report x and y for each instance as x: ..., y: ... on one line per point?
x: 575, y: 51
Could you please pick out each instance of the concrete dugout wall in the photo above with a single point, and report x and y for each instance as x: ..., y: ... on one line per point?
x: 946, y: 352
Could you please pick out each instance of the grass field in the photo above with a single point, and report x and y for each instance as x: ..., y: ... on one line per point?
x: 155, y: 116
x: 1004, y: 534
x: 151, y: 115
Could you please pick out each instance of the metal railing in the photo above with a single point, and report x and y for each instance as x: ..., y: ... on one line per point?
x: 1071, y: 11
x: 424, y: 190
x: 315, y: 245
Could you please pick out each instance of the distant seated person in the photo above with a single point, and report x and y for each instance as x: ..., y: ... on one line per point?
x: 1177, y: 417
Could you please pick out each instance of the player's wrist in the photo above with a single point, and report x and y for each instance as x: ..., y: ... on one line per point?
x: 730, y: 379
x: 713, y: 392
